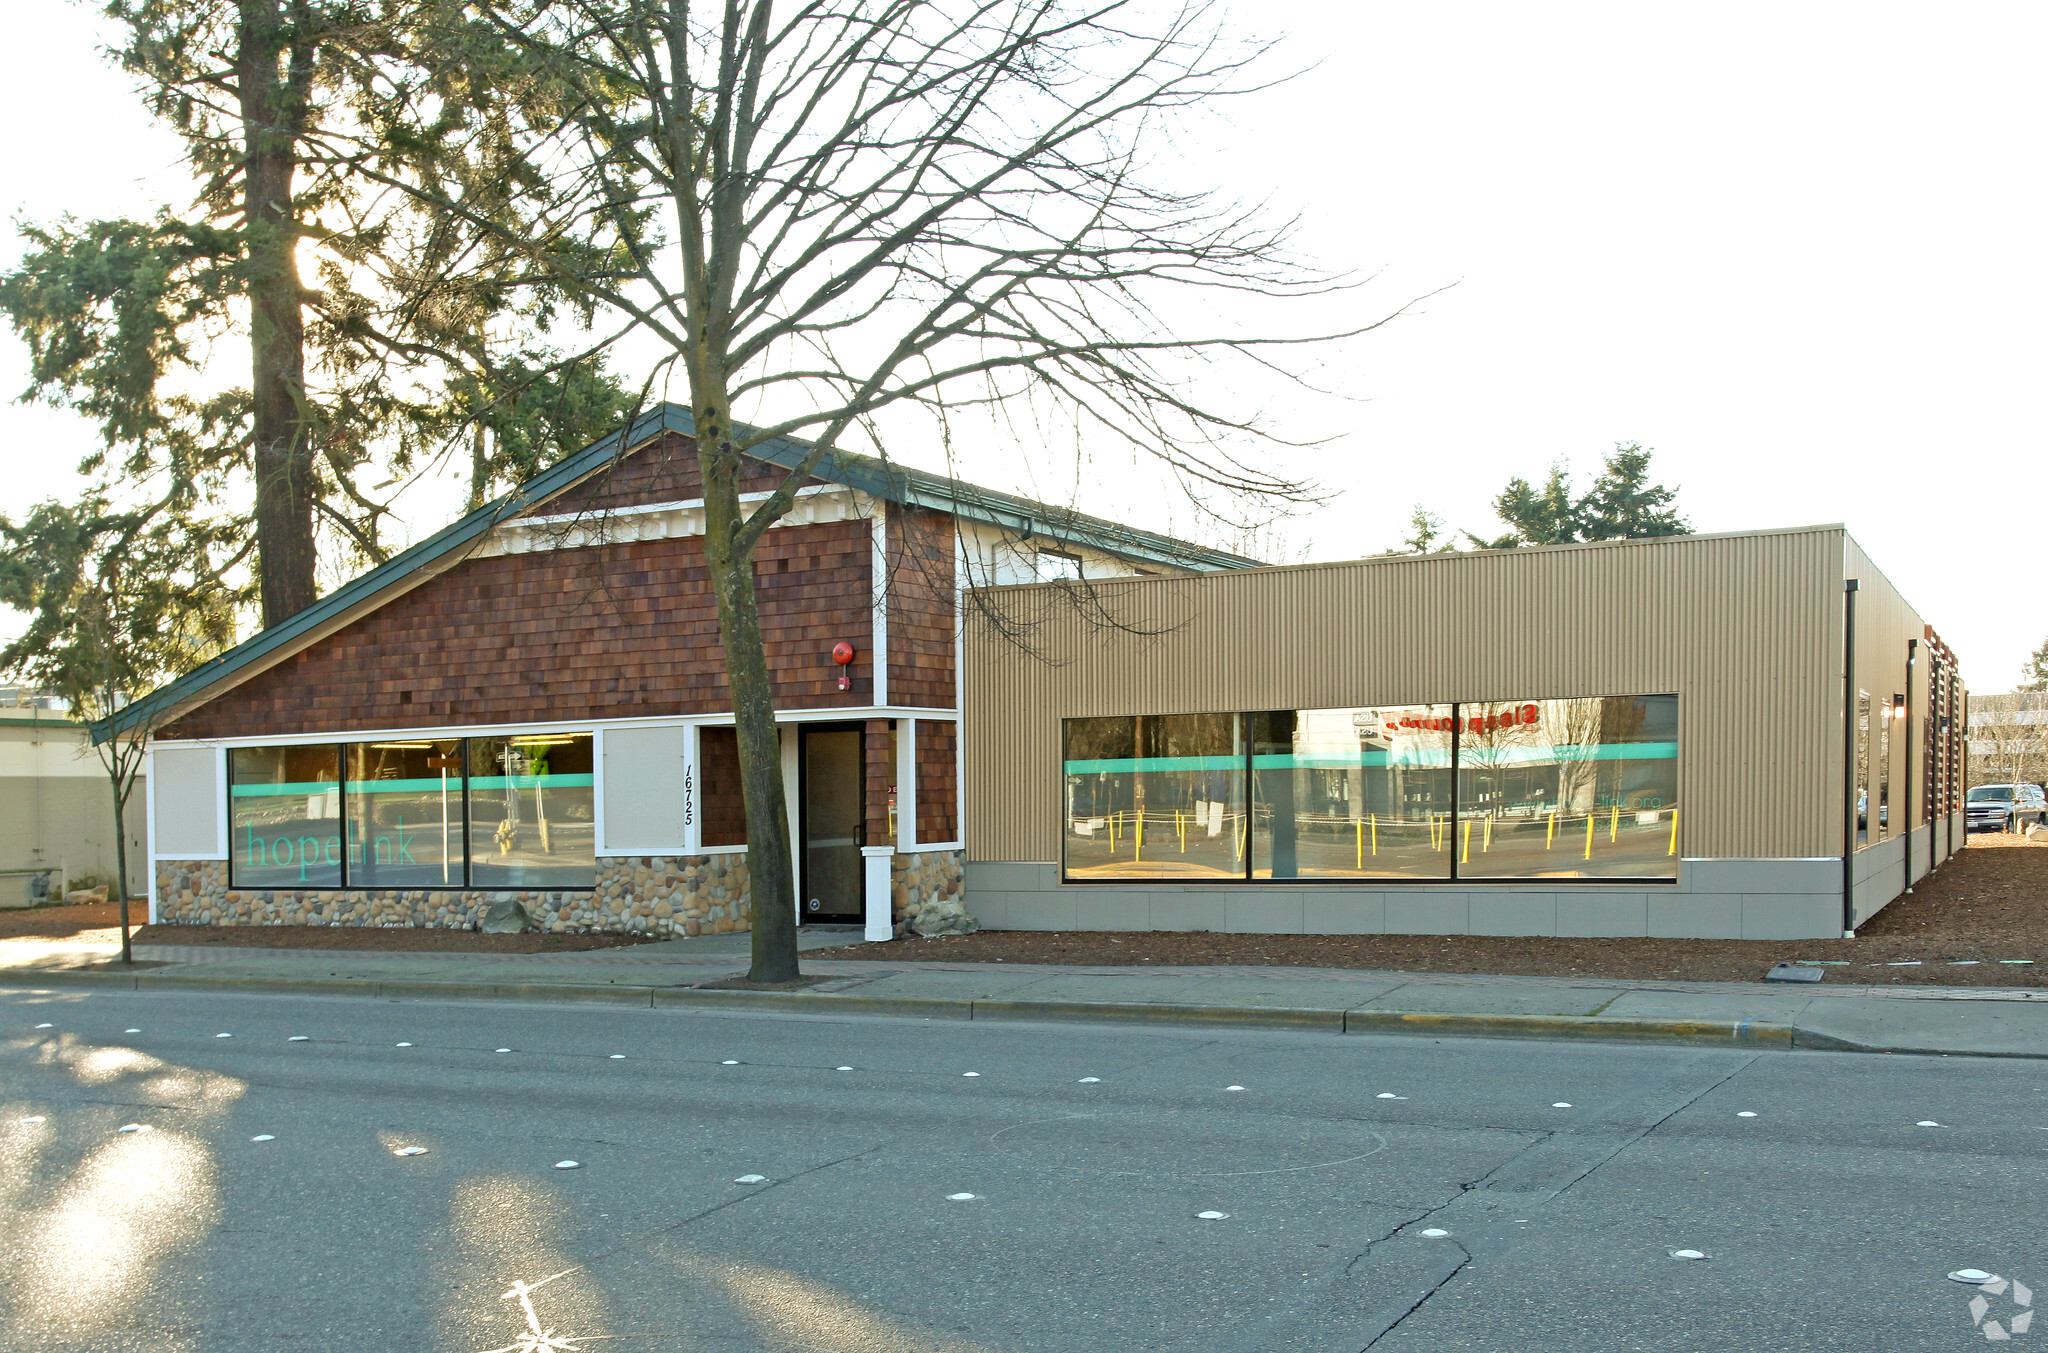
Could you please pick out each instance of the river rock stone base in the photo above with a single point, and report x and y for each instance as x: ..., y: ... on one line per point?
x: 929, y: 893
x: 635, y: 894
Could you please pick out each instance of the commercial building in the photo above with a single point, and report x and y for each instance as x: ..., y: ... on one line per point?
x: 56, y: 807
x: 1645, y: 737
x: 1055, y: 721
x: 531, y: 705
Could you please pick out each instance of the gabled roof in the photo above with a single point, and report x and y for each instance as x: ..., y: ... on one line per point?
x: 1020, y: 517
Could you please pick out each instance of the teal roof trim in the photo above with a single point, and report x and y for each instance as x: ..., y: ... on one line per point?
x: 892, y: 483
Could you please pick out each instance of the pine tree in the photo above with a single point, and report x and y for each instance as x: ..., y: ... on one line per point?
x: 1624, y: 505
x: 358, y: 375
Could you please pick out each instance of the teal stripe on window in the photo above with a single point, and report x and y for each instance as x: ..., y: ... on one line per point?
x: 453, y: 783
x: 1126, y: 765
x: 1471, y: 758
x: 284, y: 790
x: 528, y: 781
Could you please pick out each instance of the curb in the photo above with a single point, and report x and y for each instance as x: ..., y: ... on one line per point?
x: 1710, y: 1033
x: 1736, y: 1033
x: 1820, y: 1042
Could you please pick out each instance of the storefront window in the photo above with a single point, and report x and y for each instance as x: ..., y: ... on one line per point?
x: 284, y: 816
x: 1352, y: 793
x: 532, y: 818
x: 1576, y: 788
x: 1155, y: 796
x: 1583, y: 788
x: 405, y: 814
x: 1862, y: 769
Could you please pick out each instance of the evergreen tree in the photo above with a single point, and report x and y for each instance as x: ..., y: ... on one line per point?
x: 1546, y: 516
x: 356, y: 374
x: 1621, y: 504
x: 1425, y: 530
x: 2034, y: 672
x: 1624, y: 505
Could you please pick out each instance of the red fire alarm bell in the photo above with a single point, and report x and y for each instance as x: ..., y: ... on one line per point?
x: 842, y: 653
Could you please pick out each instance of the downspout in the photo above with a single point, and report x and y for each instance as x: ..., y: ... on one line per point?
x: 1906, y: 756
x: 1849, y: 759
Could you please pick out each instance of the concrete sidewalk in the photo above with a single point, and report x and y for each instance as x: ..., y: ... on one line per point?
x: 1971, y: 1021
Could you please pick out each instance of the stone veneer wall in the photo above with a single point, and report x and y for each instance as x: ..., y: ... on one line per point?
x: 926, y: 884
x: 662, y: 895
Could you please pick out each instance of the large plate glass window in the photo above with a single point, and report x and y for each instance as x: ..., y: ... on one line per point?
x: 1352, y: 793
x: 1155, y: 796
x: 405, y: 814
x: 284, y: 817
x: 1580, y: 788
x: 532, y: 819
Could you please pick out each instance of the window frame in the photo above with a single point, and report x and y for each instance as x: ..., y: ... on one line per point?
x: 342, y: 782
x: 1452, y: 878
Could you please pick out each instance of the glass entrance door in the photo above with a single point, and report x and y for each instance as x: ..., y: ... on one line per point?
x: 834, y: 822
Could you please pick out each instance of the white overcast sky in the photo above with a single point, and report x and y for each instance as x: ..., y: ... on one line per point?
x: 1797, y: 249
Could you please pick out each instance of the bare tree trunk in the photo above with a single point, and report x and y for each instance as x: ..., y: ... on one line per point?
x: 479, y: 466
x: 121, y: 859
x: 770, y: 884
x: 283, y: 444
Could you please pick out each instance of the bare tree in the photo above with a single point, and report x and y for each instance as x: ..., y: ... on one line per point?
x: 2008, y: 736
x: 836, y: 211
x: 117, y: 602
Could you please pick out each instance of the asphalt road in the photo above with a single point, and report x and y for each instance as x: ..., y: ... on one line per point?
x: 1828, y: 1219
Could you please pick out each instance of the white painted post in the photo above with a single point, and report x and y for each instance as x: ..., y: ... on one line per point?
x: 906, y: 784
x: 880, y: 909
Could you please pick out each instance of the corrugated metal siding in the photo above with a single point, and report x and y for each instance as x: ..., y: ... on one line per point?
x: 1745, y: 629
x: 1884, y: 622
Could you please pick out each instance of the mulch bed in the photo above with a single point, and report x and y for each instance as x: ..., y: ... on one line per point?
x: 87, y: 923
x: 1988, y: 903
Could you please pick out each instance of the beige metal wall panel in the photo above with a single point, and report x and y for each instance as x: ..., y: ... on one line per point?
x: 1745, y: 629
x: 1884, y: 625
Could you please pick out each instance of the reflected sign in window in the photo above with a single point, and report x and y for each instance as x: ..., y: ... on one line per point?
x: 284, y: 817
x: 1582, y: 788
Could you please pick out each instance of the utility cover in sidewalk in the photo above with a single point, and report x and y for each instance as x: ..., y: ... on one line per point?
x: 1794, y: 972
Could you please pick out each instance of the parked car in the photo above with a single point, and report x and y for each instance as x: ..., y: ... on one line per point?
x: 2006, y: 807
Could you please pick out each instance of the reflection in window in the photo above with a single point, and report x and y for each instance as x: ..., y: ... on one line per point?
x: 1862, y: 769
x: 405, y: 814
x: 1584, y: 788
x: 1055, y: 565
x: 1155, y: 796
x: 532, y: 822
x: 1885, y: 714
x: 284, y: 816
x: 1352, y: 793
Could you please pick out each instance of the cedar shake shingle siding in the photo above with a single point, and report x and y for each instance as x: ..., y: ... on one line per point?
x: 921, y: 619
x: 605, y: 632
x: 938, y: 785
x: 664, y: 471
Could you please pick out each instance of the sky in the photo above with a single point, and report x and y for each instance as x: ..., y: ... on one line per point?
x: 1796, y: 249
